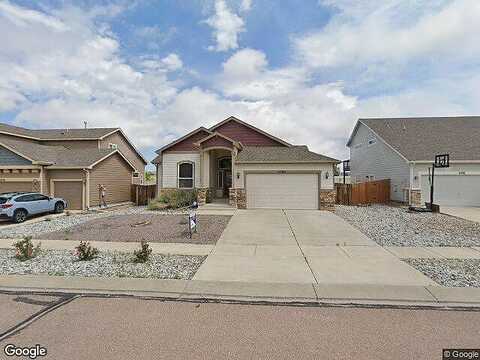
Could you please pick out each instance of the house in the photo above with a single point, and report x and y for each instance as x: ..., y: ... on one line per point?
x: 403, y: 150
x: 70, y: 163
x: 251, y: 168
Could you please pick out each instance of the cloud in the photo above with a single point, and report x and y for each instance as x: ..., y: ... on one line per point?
x: 246, y: 5
x: 395, y: 31
x: 226, y: 26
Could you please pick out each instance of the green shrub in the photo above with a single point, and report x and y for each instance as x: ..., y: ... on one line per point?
x: 85, y: 251
x: 174, y: 199
x: 24, y: 249
x: 143, y: 254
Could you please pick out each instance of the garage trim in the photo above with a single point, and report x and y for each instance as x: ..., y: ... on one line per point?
x: 52, y: 188
x: 318, y: 172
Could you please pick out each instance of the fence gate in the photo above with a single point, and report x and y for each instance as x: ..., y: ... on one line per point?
x: 371, y: 192
x: 141, y: 194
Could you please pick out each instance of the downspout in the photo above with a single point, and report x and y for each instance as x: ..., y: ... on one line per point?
x: 87, y: 189
x: 412, y: 166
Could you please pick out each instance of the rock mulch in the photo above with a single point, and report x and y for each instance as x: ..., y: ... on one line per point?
x: 152, y: 228
x: 107, y: 264
x: 449, y: 272
x: 395, y: 226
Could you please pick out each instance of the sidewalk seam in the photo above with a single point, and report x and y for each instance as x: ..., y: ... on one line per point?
x: 298, y: 244
x: 428, y: 290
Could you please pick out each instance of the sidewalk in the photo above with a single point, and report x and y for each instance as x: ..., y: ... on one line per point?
x: 188, y: 290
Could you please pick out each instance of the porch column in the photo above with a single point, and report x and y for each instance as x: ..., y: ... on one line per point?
x: 205, y: 169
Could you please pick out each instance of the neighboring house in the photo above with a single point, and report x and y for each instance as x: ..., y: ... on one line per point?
x: 403, y: 149
x: 70, y: 163
x: 253, y: 169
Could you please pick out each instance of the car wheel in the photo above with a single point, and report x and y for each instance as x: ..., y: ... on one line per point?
x: 20, y: 216
x: 59, y: 207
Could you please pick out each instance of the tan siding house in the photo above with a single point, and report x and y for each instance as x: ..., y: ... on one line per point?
x: 69, y: 163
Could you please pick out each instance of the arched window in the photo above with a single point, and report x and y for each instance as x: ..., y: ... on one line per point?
x: 186, y: 175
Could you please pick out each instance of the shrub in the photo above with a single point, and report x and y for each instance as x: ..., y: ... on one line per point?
x: 24, y: 249
x: 143, y: 254
x: 177, y: 198
x: 85, y: 251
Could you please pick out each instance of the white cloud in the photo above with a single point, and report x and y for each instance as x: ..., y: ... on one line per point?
x: 245, y: 5
x: 226, y: 27
x: 395, y: 31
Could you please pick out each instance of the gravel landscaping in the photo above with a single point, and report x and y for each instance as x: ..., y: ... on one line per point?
x: 107, y: 264
x: 152, y: 228
x: 395, y: 226
x: 449, y: 272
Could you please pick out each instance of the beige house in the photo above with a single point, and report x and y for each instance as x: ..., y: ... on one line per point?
x: 70, y: 163
x: 246, y: 166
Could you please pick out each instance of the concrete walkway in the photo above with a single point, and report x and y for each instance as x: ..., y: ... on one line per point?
x: 471, y: 213
x: 303, y: 247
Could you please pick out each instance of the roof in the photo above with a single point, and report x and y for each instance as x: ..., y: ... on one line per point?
x: 201, y: 128
x: 290, y: 154
x: 57, y: 134
x: 420, y: 139
x: 56, y: 156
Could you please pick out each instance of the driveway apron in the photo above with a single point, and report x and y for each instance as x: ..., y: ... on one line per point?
x: 302, y: 246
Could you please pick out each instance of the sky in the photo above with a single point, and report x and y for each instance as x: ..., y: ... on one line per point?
x: 304, y: 71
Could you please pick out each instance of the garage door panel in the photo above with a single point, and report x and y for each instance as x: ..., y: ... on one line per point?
x: 12, y: 186
x: 282, y: 191
x: 453, y: 190
x: 71, y: 191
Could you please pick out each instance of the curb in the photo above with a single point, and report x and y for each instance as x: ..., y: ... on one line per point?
x: 412, y: 297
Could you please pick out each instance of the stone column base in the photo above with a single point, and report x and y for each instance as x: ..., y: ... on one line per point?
x: 327, y: 199
x: 202, y: 196
x: 416, y: 197
x: 238, y: 198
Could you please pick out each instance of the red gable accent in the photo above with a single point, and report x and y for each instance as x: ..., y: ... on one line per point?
x: 245, y: 135
x: 187, y: 144
x: 216, y: 141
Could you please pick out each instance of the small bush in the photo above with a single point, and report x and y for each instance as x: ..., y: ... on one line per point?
x: 156, y: 204
x: 24, y: 249
x: 143, y: 254
x: 176, y: 198
x: 85, y: 251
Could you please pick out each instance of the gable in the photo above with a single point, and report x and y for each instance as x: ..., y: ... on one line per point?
x: 8, y: 157
x: 216, y: 141
x: 245, y: 134
x: 187, y: 144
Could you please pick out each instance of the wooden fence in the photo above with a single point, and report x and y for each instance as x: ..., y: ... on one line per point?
x: 141, y: 194
x: 371, y: 192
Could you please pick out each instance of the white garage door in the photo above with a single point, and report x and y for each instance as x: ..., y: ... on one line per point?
x: 282, y: 191
x: 453, y: 190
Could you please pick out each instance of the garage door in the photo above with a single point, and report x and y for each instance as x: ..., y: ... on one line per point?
x: 282, y: 191
x: 15, y: 186
x: 71, y: 191
x: 453, y: 190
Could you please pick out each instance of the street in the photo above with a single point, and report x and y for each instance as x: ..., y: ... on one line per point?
x: 135, y: 328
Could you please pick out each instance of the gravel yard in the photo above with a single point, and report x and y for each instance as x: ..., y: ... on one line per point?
x: 395, y: 226
x: 152, y: 228
x: 449, y: 272
x: 107, y: 264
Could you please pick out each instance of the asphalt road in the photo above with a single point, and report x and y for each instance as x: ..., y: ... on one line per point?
x: 127, y: 328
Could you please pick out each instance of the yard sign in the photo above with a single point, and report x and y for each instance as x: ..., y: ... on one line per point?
x: 192, y: 222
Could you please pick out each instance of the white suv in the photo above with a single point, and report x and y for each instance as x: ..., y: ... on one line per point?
x: 18, y: 206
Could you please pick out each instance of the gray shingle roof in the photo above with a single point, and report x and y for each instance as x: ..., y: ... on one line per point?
x: 58, y: 156
x: 58, y: 134
x: 281, y: 154
x: 421, y: 138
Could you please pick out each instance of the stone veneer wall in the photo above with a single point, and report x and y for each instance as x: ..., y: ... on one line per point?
x: 202, y: 196
x: 238, y: 198
x: 327, y: 199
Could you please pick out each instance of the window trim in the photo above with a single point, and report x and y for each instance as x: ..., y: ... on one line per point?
x: 189, y: 178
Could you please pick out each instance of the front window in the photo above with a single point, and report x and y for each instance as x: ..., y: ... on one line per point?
x: 185, y: 175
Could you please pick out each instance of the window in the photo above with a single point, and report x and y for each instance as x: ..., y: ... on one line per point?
x: 186, y: 175
x: 136, y: 174
x: 225, y: 163
x: 370, y: 177
x: 37, y: 197
x: 24, y: 198
x: 372, y: 141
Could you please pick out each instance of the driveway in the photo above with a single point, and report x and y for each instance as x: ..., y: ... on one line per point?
x: 471, y: 213
x: 302, y: 246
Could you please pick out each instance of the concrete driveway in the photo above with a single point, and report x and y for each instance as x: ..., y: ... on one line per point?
x: 471, y: 213
x: 302, y: 246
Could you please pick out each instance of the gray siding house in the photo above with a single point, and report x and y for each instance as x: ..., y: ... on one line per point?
x: 403, y: 149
